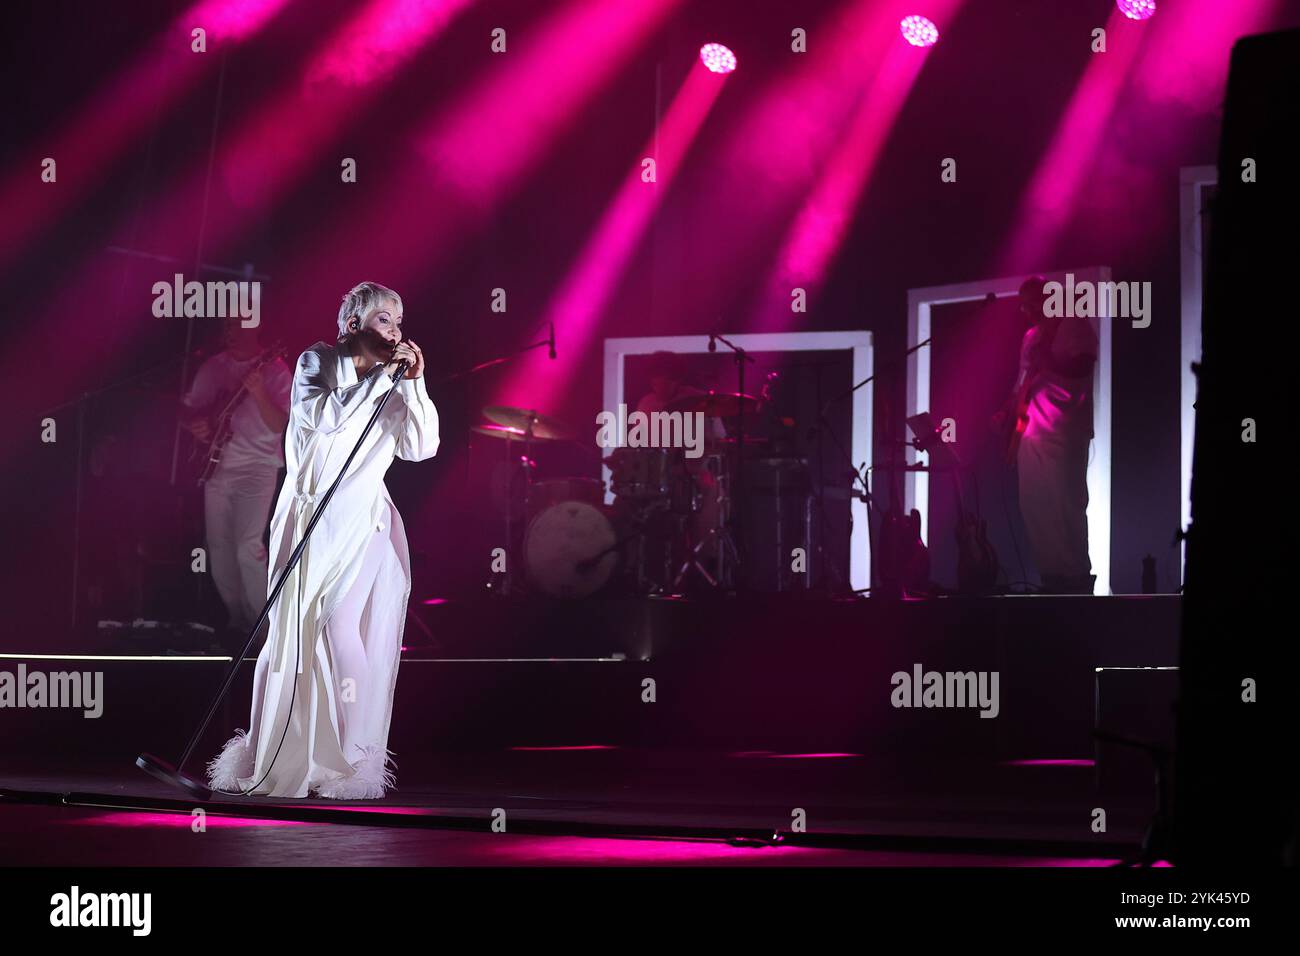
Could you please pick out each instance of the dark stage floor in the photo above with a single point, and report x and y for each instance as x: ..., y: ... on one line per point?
x: 575, y: 807
x: 760, y: 720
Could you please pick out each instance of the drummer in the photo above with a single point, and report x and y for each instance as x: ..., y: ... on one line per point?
x: 667, y: 385
x: 667, y: 374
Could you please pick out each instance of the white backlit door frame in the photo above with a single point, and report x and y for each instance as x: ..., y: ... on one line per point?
x: 1192, y: 181
x: 916, y: 487
x: 617, y: 350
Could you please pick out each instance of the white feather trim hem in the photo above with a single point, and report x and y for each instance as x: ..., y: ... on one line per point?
x: 369, y: 780
x: 235, y: 762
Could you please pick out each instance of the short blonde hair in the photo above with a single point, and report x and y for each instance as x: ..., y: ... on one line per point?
x: 360, y: 300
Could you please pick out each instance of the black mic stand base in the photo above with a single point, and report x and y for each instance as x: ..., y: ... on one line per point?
x: 173, y: 776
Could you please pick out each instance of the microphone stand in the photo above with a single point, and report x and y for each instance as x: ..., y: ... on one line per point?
x: 548, y: 342
x: 173, y: 774
x: 737, y: 535
x: 862, y: 475
x: 825, y: 562
x: 80, y: 402
x: 507, y: 585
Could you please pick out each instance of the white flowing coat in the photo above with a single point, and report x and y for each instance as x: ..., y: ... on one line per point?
x: 329, y: 410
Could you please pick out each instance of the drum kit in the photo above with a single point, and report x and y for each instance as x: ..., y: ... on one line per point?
x: 672, y: 527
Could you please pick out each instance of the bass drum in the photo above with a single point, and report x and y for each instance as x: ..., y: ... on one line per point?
x: 544, y: 494
x: 562, y: 546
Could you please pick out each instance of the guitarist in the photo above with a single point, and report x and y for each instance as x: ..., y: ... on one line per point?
x: 1053, y: 404
x: 237, y: 497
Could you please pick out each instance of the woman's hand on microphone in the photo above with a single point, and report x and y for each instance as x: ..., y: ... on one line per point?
x: 409, y: 353
x: 416, y: 368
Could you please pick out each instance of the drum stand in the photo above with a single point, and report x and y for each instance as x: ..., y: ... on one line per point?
x: 727, y: 557
x: 639, y: 517
x: 526, y: 465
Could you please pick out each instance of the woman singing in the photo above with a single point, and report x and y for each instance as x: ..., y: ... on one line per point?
x: 323, y: 687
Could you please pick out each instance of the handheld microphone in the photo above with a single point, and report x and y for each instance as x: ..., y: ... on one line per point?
x: 400, y: 371
x: 552, y: 324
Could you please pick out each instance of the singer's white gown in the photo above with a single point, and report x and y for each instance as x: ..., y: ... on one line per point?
x: 321, y: 752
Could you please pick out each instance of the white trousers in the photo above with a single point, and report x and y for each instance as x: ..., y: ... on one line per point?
x: 1054, y: 504
x: 362, y: 700
x: 237, y: 505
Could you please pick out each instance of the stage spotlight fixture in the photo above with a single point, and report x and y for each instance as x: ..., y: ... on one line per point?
x: 717, y: 58
x: 1136, y: 9
x: 919, y: 31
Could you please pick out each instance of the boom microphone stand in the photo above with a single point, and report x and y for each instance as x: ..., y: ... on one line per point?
x: 739, y: 583
x: 81, y: 402
x: 862, y: 476
x: 526, y: 462
x: 173, y: 775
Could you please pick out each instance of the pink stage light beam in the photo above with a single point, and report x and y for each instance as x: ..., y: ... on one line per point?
x: 486, y: 143
x: 1179, y: 57
x: 1185, y: 62
x: 282, y: 137
x: 768, y: 158
x: 86, y: 145
x: 819, y: 227
x: 292, y: 130
x: 472, y: 156
x: 1051, y: 195
x: 576, y: 308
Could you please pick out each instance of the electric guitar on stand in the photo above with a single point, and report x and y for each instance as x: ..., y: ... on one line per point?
x: 977, y: 561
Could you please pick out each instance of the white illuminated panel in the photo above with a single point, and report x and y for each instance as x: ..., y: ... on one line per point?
x: 616, y: 350
x: 1192, y: 183
x: 916, y: 486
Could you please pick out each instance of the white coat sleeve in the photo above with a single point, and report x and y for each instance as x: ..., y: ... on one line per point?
x: 319, y: 407
x: 419, y: 437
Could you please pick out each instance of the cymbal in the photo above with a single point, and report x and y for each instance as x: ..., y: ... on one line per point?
x: 503, y: 431
x: 719, y: 404
x: 544, y: 427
